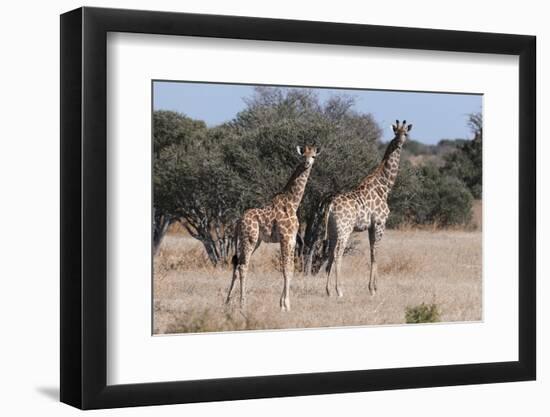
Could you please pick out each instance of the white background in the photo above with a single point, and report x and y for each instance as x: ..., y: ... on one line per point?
x: 134, y: 356
x: 30, y: 174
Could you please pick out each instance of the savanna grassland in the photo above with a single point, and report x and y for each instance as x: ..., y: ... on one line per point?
x: 206, y: 176
x: 431, y: 266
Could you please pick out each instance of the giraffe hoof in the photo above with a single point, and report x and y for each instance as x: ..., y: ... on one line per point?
x: 373, y: 292
x: 340, y: 294
x: 328, y: 292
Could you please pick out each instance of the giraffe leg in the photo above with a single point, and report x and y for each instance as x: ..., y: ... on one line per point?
x: 373, y: 271
x: 338, y: 262
x: 330, y: 262
x: 244, y: 260
x: 235, y: 261
x: 376, y: 231
x: 287, y: 260
x: 240, y: 262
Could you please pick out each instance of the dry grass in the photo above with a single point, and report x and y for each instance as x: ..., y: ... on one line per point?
x: 441, y: 267
x: 477, y: 215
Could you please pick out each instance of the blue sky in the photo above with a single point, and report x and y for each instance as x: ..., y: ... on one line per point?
x: 435, y: 116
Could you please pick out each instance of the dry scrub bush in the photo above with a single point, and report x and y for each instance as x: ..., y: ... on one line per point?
x: 404, y: 264
x: 212, y: 321
x: 181, y: 258
x: 423, y: 313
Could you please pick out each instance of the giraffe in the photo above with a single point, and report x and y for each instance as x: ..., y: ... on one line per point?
x: 364, y: 208
x: 275, y: 222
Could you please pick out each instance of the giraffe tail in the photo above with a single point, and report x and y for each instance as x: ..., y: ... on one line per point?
x: 235, y: 261
x: 235, y: 258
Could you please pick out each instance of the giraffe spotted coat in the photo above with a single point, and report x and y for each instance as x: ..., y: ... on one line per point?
x: 363, y: 209
x: 276, y: 222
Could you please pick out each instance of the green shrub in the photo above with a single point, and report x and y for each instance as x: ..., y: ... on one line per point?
x: 405, y: 198
x: 427, y: 195
x: 454, y: 205
x: 423, y: 313
x: 466, y: 162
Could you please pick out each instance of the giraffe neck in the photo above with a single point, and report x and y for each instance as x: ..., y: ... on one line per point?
x: 389, y: 167
x: 385, y: 174
x: 296, y: 185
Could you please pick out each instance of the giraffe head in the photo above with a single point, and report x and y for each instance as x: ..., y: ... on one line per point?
x: 401, y: 131
x: 308, y: 153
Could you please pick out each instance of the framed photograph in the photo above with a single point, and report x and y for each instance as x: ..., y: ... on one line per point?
x: 258, y: 208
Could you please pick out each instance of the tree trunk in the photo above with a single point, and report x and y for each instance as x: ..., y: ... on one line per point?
x: 161, y: 222
x: 217, y: 240
x: 211, y: 251
x: 311, y: 237
x: 315, y: 253
x: 307, y: 263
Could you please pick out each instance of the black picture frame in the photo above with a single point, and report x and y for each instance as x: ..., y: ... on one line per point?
x: 84, y: 207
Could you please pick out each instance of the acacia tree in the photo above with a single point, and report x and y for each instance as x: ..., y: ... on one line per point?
x: 170, y: 129
x: 263, y: 150
x: 206, y: 178
x: 196, y: 188
x: 173, y: 128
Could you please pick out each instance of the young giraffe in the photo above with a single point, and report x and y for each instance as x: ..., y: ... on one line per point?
x: 364, y: 208
x: 275, y: 222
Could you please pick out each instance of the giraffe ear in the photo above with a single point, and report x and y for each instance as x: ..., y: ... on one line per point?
x: 394, y: 128
x: 300, y: 150
x: 409, y: 127
x: 318, y: 150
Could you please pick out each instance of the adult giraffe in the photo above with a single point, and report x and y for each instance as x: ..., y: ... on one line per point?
x: 275, y: 222
x: 364, y: 208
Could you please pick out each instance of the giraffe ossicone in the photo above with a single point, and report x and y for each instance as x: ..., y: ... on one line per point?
x: 363, y: 209
x: 275, y: 222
